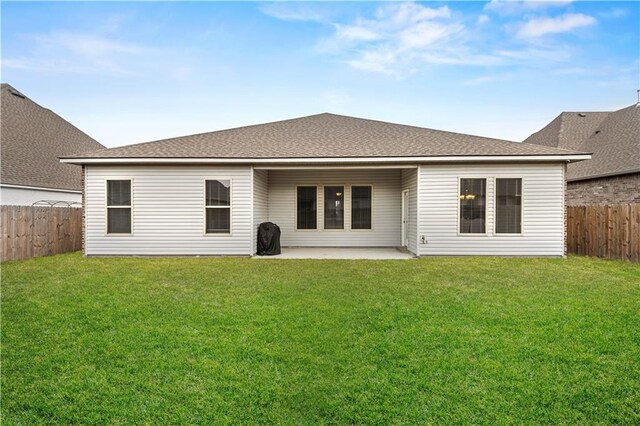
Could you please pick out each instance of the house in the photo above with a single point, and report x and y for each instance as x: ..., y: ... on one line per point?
x: 327, y: 181
x: 613, y: 173
x: 31, y: 140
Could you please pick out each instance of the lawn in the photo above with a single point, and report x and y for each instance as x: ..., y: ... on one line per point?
x: 203, y: 340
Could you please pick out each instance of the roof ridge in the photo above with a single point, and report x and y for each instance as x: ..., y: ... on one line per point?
x: 218, y: 131
x: 33, y: 138
x: 309, y: 116
x: 27, y: 98
x: 586, y: 112
x: 419, y: 127
x: 562, y: 126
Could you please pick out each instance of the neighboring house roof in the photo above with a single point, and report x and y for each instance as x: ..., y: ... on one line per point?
x: 612, y: 137
x: 323, y: 136
x: 32, y: 139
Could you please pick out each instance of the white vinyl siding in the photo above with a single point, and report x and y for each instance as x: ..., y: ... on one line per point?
x: 386, y: 187
x: 542, y: 210
x: 168, y: 215
x: 260, y: 203
x: 410, y: 183
x: 14, y: 196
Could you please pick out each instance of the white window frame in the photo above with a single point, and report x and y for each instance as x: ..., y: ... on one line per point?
x: 495, y: 207
x: 345, y: 198
x: 107, y: 206
x: 295, y: 214
x: 205, y: 207
x: 486, y: 206
x: 351, y: 207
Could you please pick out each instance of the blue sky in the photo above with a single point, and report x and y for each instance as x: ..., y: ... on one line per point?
x: 133, y: 72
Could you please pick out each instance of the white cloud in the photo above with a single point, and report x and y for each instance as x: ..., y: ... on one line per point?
x: 424, y: 34
x: 537, y: 54
x: 51, y: 65
x: 615, y: 13
x: 405, y: 13
x: 294, y: 12
x: 396, y: 39
x: 510, y: 7
x: 483, y: 19
x: 480, y: 80
x: 73, y: 52
x: 356, y: 33
x: 462, y: 56
x: 538, y: 27
x: 380, y: 60
x: 90, y: 45
x: 401, y: 38
x: 571, y: 71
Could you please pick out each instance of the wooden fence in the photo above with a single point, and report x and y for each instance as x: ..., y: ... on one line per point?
x: 606, y: 231
x: 40, y: 231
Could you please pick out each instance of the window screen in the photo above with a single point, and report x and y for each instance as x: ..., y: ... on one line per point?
x: 118, y: 207
x: 334, y: 207
x: 218, y: 206
x: 119, y: 221
x: 218, y: 193
x: 218, y: 221
x: 360, y: 207
x: 307, y: 207
x: 119, y: 193
x: 509, y: 206
x: 472, y: 206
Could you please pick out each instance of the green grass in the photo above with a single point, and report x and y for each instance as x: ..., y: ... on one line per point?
x: 202, y: 340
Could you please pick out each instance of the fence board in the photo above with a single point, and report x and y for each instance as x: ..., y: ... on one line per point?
x: 606, y: 231
x: 29, y: 231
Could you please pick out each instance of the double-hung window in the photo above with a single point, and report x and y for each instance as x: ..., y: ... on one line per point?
x: 361, y: 207
x: 218, y: 206
x: 307, y: 207
x: 509, y: 206
x: 119, y: 206
x: 334, y: 207
x: 472, y: 200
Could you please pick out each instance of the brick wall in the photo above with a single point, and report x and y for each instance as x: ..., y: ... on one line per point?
x: 607, y: 190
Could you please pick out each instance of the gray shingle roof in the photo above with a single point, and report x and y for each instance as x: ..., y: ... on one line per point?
x: 612, y: 137
x: 324, y: 136
x: 32, y: 139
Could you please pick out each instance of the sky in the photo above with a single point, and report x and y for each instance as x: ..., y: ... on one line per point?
x: 134, y: 72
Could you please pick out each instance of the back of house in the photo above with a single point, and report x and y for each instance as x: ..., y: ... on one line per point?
x: 32, y: 139
x: 327, y: 181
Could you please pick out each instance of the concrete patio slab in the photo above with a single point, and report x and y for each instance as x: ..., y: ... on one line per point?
x: 374, y: 253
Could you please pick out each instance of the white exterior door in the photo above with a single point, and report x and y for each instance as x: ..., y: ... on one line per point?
x: 405, y: 217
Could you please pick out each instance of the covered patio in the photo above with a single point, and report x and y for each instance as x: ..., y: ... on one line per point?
x: 339, y: 212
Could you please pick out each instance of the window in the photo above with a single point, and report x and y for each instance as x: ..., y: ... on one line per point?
x: 334, y: 207
x: 509, y: 206
x: 360, y: 207
x: 218, y: 206
x: 118, y: 207
x: 307, y: 207
x: 472, y: 206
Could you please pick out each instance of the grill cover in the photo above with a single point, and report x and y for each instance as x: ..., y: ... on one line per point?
x: 268, y: 239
